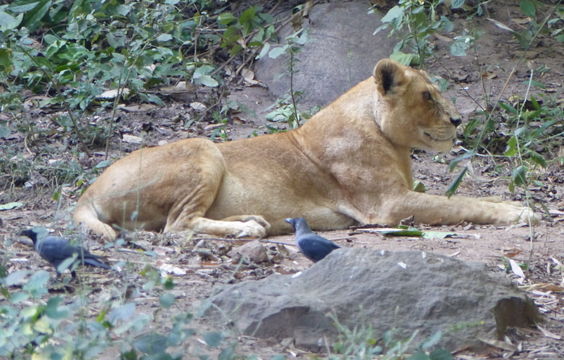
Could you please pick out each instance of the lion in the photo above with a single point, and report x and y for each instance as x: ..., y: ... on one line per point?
x: 349, y: 164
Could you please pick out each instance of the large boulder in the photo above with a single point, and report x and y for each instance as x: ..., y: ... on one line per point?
x: 405, y: 291
x: 341, y: 51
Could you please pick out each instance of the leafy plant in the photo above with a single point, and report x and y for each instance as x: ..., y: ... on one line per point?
x: 415, y: 21
x: 551, y: 24
x: 361, y: 342
x: 288, y: 110
x: 35, y: 324
x: 251, y: 22
x: 525, y: 130
x: 84, y: 57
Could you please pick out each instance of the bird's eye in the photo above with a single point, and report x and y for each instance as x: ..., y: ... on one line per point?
x: 427, y: 95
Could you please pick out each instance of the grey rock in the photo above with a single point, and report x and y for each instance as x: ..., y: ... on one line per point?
x: 252, y: 252
x: 405, y: 291
x: 341, y: 51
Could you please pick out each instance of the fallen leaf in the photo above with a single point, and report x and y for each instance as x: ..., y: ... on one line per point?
x: 512, y: 252
x: 198, y: 106
x: 112, y: 94
x: 549, y: 334
x: 137, y: 108
x: 498, y: 344
x: 516, y: 268
x: 438, y: 234
x: 213, y: 126
x: 249, y: 77
x: 395, y: 231
x: 545, y: 287
x: 501, y: 25
x: 171, y: 269
x: 489, y: 75
x: 11, y: 205
x: 521, y: 21
x: 132, y: 139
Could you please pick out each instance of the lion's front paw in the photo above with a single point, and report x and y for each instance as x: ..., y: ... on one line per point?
x: 252, y: 228
x: 259, y: 220
x: 528, y: 216
x: 519, y: 215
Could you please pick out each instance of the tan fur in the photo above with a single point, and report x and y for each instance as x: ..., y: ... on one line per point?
x: 348, y: 164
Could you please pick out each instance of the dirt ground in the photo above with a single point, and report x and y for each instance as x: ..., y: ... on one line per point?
x: 197, y: 264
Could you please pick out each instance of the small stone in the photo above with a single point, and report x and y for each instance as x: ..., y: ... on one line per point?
x: 198, y: 106
x: 252, y: 252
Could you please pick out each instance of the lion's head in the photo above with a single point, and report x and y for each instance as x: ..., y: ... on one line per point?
x: 413, y: 112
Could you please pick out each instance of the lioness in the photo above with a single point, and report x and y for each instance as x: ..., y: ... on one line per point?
x: 350, y: 163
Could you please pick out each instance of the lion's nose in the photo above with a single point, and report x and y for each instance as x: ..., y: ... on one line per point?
x: 455, y: 121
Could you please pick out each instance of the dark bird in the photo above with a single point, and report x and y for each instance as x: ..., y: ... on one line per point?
x: 56, y: 249
x: 313, y: 246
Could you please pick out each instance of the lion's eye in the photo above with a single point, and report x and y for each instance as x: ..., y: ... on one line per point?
x: 427, y: 95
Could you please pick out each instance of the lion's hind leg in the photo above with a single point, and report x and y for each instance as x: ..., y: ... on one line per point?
x: 201, y: 182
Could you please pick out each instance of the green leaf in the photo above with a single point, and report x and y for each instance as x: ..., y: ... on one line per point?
x: 511, y: 147
x: 528, y: 7
x: 152, y: 344
x: 381, y: 28
x: 213, y: 338
x: 116, y: 39
x: 16, y: 278
x: 121, y: 313
x: 537, y: 158
x: 164, y: 37
x: 67, y: 263
x: 228, y: 353
x: 458, y: 48
x: 22, y: 8
x: 226, y: 18
x: 418, y: 186
x: 9, y: 22
x: 519, y: 175
x: 248, y: 18
x: 405, y: 59
x: 508, y: 107
x: 454, y: 162
x: 457, y: 4
x: 6, y: 58
x: 265, y: 49
x: 441, y: 354
x: 52, y: 309
x: 207, y: 80
x: 32, y: 19
x: 4, y: 131
x: 37, y: 284
x: 167, y: 300
x: 103, y: 164
x: 456, y: 183
x: 395, y: 13
x: 410, y: 231
x: 277, y: 51
x: 419, y: 355
x: 432, y: 340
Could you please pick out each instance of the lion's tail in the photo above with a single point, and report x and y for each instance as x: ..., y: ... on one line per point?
x: 86, y: 217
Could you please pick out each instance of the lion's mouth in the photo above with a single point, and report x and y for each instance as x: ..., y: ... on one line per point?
x: 438, y: 138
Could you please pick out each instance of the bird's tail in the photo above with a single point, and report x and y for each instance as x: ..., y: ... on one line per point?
x: 93, y: 261
x: 86, y: 216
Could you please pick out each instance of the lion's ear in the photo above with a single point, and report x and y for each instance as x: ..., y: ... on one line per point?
x: 389, y: 77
